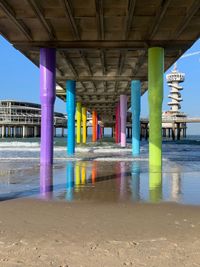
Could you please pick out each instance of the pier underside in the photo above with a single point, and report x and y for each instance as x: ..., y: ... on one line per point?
x: 101, y: 44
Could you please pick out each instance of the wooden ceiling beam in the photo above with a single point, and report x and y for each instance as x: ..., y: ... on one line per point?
x: 21, y: 26
x: 118, y: 44
x: 69, y: 14
x: 86, y: 62
x: 70, y: 65
x: 184, y: 23
x: 39, y: 13
x: 103, y: 62
x: 158, y: 18
x: 86, y: 94
x: 129, y: 17
x: 139, y: 63
x: 100, y: 19
x: 102, y: 78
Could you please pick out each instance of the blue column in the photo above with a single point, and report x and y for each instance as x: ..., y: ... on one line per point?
x: 135, y: 109
x: 71, y: 108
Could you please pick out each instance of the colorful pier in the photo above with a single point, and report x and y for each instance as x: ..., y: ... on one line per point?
x: 103, y: 55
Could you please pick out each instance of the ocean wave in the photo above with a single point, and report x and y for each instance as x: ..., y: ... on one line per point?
x: 19, y: 144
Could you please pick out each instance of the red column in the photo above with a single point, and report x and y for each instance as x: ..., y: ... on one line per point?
x: 94, y: 126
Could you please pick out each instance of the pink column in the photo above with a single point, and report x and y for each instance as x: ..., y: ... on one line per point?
x: 119, y: 123
x: 101, y: 132
x: 116, y: 125
x: 123, y: 115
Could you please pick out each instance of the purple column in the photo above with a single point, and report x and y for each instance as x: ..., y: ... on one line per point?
x: 47, y: 97
x: 123, y: 115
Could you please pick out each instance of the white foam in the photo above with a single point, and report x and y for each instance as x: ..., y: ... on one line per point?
x: 112, y: 150
x: 19, y: 144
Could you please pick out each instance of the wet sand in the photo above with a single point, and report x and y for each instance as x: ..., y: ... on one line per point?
x: 47, y: 233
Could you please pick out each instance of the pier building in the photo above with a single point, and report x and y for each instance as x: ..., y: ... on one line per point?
x: 104, y: 55
x: 22, y: 119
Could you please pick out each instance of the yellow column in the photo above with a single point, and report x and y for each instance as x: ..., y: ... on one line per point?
x: 84, y: 121
x: 78, y: 122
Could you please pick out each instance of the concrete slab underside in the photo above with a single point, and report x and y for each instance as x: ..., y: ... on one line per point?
x: 101, y: 44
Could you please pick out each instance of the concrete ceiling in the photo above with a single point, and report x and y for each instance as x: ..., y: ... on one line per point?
x: 102, y: 44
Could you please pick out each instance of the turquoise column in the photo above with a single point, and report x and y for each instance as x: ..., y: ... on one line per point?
x: 155, y: 83
x: 70, y: 181
x: 135, y: 109
x: 71, y: 108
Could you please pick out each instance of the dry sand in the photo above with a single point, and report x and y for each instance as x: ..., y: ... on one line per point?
x: 40, y: 233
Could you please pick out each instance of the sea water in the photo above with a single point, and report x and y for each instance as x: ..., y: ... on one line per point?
x: 101, y: 172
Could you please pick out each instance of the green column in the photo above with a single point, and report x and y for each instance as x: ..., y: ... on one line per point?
x: 155, y: 84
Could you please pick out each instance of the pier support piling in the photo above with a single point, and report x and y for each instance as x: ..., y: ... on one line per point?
x: 94, y: 126
x: 47, y: 96
x: 84, y: 121
x: 3, y: 131
x: 78, y: 122
x: 71, y: 116
x: 155, y: 81
x: 123, y: 115
x: 135, y: 108
x: 116, y: 124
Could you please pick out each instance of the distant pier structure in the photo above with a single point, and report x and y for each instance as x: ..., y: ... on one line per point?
x: 174, y: 129
x: 23, y: 119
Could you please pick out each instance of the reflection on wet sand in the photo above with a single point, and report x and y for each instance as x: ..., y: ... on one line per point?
x: 176, y: 184
x: 69, y: 181
x: 46, y: 181
x: 114, y: 181
x: 94, y: 171
x: 155, y: 186
x: 123, y: 179
x: 135, y: 181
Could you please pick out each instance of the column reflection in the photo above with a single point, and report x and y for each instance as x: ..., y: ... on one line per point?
x: 122, y: 180
x: 69, y: 181
x: 155, y: 186
x: 135, y: 180
x: 83, y: 173
x: 94, y: 171
x: 176, y: 184
x: 46, y: 181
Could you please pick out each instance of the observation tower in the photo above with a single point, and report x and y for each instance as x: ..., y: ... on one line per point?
x: 174, y: 128
x: 174, y: 79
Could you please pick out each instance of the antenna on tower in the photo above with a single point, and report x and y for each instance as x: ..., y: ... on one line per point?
x: 175, y: 66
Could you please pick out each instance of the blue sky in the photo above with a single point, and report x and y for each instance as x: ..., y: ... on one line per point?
x: 19, y: 80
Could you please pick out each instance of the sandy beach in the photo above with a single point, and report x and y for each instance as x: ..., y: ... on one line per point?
x: 56, y: 233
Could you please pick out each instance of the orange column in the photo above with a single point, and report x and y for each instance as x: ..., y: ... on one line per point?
x: 94, y: 126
